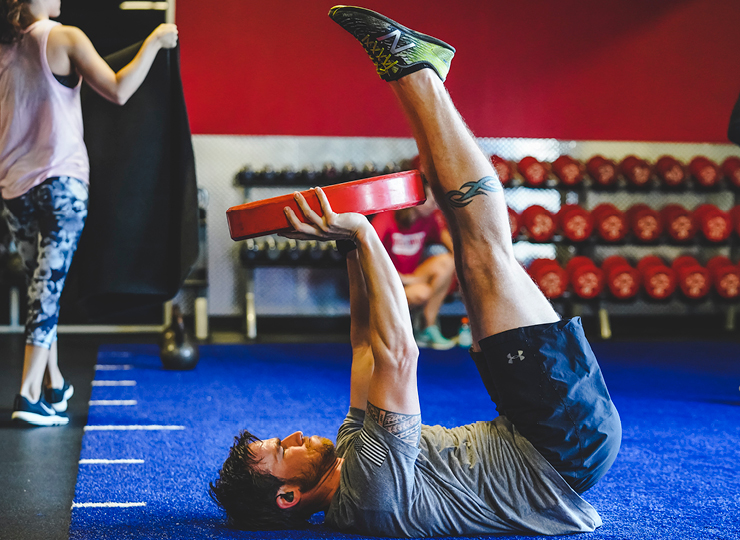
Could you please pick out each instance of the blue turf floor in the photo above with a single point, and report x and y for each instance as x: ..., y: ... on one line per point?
x: 677, y: 475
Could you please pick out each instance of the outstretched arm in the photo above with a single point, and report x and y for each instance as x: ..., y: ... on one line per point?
x: 69, y: 47
x: 363, y: 361
x: 393, y: 398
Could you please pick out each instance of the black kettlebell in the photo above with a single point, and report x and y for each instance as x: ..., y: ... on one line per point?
x: 15, y: 270
x: 177, y: 352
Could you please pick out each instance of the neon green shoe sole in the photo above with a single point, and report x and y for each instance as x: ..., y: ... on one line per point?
x: 395, y: 50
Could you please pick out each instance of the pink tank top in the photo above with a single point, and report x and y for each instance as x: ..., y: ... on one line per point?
x: 41, y: 134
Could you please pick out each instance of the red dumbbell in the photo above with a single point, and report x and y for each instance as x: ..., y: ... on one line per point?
x: 610, y: 222
x: 658, y: 280
x: 713, y: 222
x: 679, y: 223
x: 731, y: 170
x: 503, y: 169
x: 586, y: 279
x: 693, y: 279
x: 514, y: 222
x: 568, y: 170
x: 622, y: 279
x: 549, y: 276
x: 603, y: 171
x: 704, y: 171
x: 670, y: 171
x: 735, y: 216
x: 636, y: 171
x: 725, y: 276
x: 533, y: 172
x: 539, y: 223
x: 575, y: 222
x: 644, y: 222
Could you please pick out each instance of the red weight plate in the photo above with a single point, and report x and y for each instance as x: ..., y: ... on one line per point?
x: 366, y: 196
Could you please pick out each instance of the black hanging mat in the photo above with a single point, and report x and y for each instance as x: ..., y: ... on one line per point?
x: 141, y: 236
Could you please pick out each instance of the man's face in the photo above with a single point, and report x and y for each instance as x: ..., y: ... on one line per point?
x: 305, y: 459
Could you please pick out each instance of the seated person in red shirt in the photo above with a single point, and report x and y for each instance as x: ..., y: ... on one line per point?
x: 406, y: 234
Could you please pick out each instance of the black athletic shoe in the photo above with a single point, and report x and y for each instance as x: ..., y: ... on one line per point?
x: 57, y: 398
x: 37, y: 414
x: 395, y: 50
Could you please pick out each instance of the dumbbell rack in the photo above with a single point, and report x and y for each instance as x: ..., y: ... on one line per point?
x: 588, y: 195
x: 274, y: 251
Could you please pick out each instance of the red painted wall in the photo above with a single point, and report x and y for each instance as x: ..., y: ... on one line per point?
x: 656, y: 70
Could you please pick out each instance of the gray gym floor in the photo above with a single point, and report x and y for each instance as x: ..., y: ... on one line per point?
x: 38, y: 465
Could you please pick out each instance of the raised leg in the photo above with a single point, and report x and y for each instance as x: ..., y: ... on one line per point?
x: 498, y: 293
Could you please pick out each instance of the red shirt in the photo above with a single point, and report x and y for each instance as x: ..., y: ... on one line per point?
x: 406, y: 246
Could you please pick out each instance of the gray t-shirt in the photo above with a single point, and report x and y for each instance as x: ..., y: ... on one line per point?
x: 483, y: 478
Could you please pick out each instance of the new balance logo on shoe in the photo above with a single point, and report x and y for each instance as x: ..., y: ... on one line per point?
x: 519, y: 356
x: 396, y: 35
x: 393, y: 60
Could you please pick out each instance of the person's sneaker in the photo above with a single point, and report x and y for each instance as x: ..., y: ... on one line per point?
x: 57, y: 397
x: 395, y: 50
x: 431, y: 338
x: 37, y: 414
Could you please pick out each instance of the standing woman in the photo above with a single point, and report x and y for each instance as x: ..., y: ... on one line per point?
x: 44, y: 170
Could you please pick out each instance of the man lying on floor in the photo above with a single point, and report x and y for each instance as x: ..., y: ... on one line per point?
x: 557, y: 432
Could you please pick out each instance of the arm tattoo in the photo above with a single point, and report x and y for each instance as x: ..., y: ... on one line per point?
x: 487, y: 184
x: 406, y: 427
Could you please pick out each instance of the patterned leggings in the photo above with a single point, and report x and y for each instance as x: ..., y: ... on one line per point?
x: 46, y: 224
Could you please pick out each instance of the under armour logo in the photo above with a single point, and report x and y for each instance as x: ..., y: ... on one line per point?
x: 396, y: 35
x: 519, y: 355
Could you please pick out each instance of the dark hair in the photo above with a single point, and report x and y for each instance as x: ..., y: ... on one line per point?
x: 247, y: 494
x: 10, y: 20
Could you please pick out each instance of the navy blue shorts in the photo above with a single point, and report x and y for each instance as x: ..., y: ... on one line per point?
x: 545, y: 379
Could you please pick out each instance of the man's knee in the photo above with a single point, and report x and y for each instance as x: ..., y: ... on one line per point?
x: 418, y: 294
x: 436, y: 266
x: 446, y: 264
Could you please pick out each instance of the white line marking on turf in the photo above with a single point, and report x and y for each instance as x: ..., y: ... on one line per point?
x: 114, y: 383
x: 133, y: 428
x: 108, y: 505
x: 112, y: 402
x: 113, y: 367
x: 114, y: 354
x: 111, y: 461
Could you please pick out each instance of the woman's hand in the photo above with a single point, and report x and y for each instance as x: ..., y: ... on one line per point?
x: 165, y: 36
x: 80, y: 53
x: 330, y: 226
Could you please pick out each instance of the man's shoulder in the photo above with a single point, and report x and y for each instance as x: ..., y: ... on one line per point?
x: 351, y: 425
x: 360, y: 430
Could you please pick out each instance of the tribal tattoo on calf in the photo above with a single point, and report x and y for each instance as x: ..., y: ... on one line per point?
x: 459, y: 199
x: 406, y: 427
